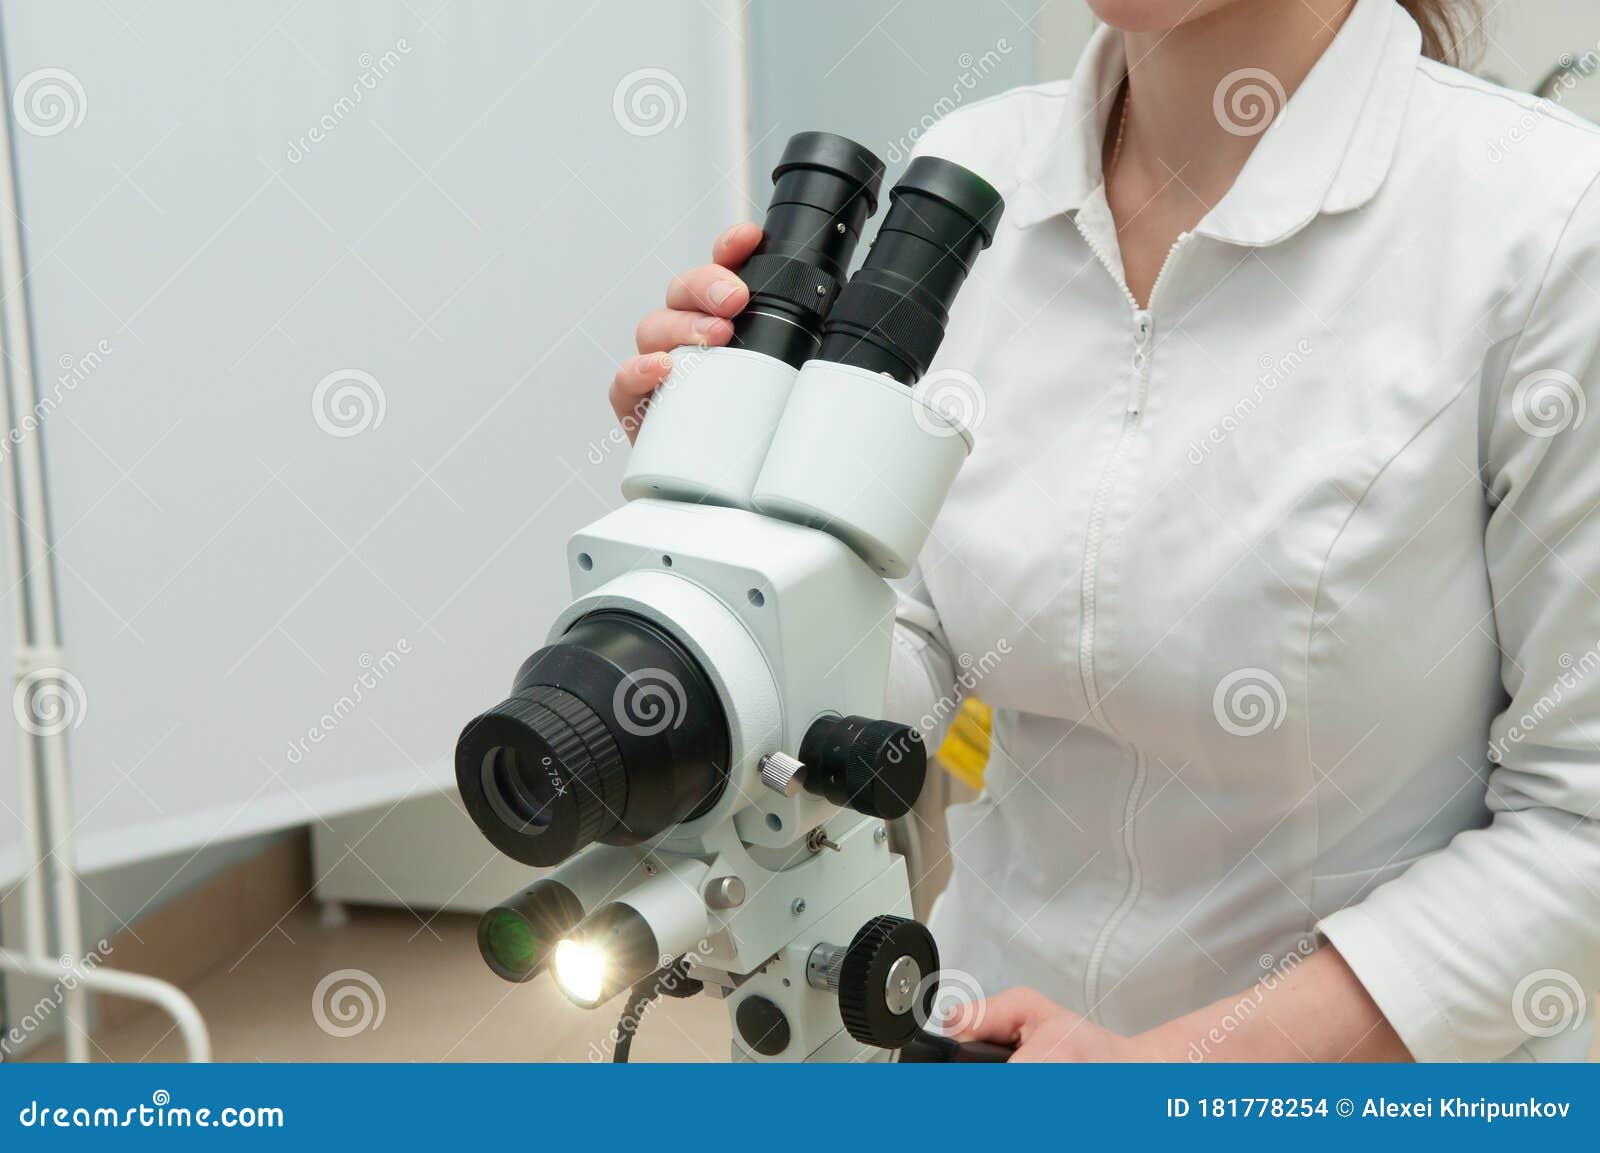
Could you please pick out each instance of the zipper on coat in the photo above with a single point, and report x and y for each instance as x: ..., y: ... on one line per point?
x: 1130, y: 895
x: 1144, y: 327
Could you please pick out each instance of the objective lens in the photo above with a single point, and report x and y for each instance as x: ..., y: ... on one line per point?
x: 517, y: 935
x: 614, y: 734
x: 891, y: 316
x: 824, y: 189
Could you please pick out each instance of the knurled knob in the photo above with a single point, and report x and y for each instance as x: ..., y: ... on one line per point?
x: 874, y: 767
x: 782, y: 773
x: 887, y: 981
x: 885, y: 770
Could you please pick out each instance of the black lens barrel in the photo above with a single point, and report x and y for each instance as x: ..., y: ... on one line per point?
x: 825, y: 188
x: 518, y: 936
x: 613, y: 734
x: 891, y: 317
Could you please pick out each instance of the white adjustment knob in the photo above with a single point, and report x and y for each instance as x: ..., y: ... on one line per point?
x: 782, y: 773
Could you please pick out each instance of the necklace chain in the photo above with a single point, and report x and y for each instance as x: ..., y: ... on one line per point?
x: 1122, y: 129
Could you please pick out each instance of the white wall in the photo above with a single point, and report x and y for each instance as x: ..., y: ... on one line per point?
x: 880, y: 71
x: 477, y: 233
x: 1523, y: 41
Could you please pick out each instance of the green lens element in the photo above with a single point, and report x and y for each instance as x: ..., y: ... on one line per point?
x: 515, y: 937
x: 511, y: 940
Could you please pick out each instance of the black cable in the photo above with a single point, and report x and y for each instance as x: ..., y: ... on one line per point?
x: 639, y: 999
x: 671, y: 980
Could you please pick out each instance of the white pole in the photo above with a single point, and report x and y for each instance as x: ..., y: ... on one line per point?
x: 191, y: 1027
x: 42, y: 755
x: 39, y: 642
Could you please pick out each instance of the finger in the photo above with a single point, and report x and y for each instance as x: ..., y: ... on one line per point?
x: 734, y: 246
x: 667, y: 328
x: 1064, y: 1037
x: 1001, y: 1018
x: 633, y: 385
x: 1042, y: 1049
x: 711, y: 288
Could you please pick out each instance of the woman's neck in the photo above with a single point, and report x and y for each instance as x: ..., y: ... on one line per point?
x: 1174, y: 136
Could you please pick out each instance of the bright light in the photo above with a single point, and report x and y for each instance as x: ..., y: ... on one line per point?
x: 580, y: 970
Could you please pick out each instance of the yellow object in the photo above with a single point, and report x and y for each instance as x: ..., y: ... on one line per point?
x: 965, y: 752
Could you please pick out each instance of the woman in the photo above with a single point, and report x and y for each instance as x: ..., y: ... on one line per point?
x: 1282, y: 515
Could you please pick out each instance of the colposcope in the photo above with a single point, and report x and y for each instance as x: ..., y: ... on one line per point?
x: 696, y: 753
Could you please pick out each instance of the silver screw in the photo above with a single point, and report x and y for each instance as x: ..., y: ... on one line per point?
x: 839, y: 227
x: 798, y: 907
x: 822, y: 290
x: 880, y: 834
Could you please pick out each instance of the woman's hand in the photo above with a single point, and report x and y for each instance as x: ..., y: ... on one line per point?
x: 700, y: 308
x: 1040, y: 1030
x: 1310, y: 1009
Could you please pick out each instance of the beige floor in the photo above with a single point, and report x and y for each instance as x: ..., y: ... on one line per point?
x: 439, y: 1004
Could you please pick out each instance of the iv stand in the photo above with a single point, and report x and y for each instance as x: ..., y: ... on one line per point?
x: 42, y: 757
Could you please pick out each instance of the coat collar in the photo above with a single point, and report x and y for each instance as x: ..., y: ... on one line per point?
x: 1328, y: 150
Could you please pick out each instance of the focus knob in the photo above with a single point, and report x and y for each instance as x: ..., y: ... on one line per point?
x: 888, y: 978
x: 874, y: 767
x: 782, y: 773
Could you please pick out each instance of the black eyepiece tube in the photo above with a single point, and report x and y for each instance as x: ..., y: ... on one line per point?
x: 891, y: 316
x: 824, y: 190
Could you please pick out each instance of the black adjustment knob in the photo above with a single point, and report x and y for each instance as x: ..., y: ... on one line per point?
x: 762, y: 1025
x: 888, y: 979
x: 874, y: 767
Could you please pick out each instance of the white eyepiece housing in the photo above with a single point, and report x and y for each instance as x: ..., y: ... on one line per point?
x: 862, y: 457
x: 708, y: 426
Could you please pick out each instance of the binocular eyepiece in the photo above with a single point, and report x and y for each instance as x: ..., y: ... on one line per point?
x: 824, y: 190
x: 890, y: 317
